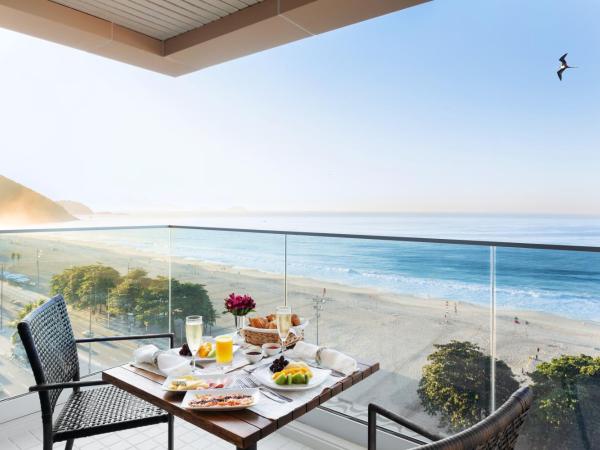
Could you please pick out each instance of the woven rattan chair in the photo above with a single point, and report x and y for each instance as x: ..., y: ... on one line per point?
x: 498, y: 431
x: 48, y: 339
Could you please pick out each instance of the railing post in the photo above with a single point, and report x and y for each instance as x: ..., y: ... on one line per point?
x: 2, y: 297
x: 285, y: 287
x: 492, y: 329
x: 170, y: 272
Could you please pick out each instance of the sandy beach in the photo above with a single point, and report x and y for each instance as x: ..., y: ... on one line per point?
x: 397, y: 330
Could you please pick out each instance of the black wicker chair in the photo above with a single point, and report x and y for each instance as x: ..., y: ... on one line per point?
x: 48, y: 339
x: 498, y: 431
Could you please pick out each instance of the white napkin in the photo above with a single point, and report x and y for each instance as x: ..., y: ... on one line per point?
x: 274, y: 410
x: 329, y: 358
x: 167, y: 363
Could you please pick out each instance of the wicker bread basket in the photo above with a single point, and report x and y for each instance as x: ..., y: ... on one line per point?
x: 260, y: 336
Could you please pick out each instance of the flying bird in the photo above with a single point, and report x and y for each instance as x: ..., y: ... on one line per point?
x: 563, y: 66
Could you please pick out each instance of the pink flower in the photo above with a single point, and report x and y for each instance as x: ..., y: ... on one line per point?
x: 239, y: 305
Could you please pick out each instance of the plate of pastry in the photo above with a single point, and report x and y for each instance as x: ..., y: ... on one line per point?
x: 221, y: 399
x: 270, y: 322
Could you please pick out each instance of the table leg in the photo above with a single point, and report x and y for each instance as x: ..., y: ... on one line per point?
x: 252, y: 447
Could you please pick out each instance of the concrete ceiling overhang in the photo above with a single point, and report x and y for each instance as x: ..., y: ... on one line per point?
x: 176, y: 37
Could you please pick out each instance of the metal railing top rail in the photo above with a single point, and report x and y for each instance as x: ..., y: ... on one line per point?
x: 90, y: 228
x: 471, y: 242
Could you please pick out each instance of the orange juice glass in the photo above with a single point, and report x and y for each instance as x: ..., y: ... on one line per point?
x: 224, y: 345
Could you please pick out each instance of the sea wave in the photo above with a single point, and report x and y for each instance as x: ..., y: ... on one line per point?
x: 564, y: 284
x: 577, y: 305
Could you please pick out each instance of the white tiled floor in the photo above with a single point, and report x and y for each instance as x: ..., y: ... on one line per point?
x: 26, y: 434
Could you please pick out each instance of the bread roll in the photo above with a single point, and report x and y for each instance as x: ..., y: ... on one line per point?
x: 257, y: 322
x: 295, y: 320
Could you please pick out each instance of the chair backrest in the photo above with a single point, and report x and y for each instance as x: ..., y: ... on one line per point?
x: 498, y: 431
x: 48, y: 339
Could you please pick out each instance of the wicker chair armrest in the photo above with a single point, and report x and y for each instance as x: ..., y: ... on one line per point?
x: 171, y: 337
x: 375, y: 409
x: 69, y: 384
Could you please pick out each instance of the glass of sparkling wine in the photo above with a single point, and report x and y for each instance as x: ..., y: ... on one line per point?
x: 194, y: 328
x: 284, y: 323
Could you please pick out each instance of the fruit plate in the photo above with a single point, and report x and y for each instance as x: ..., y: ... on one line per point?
x: 210, y: 380
x: 253, y: 393
x: 264, y: 377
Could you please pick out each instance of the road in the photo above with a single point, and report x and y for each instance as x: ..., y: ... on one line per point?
x: 14, y: 379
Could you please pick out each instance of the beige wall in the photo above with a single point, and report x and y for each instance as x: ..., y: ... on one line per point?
x: 264, y: 25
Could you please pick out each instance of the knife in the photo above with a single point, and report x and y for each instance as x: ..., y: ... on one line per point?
x: 239, y: 366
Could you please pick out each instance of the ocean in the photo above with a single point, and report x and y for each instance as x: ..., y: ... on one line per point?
x: 566, y: 283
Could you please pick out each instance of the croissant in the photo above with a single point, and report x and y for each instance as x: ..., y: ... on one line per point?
x: 271, y: 317
x: 272, y: 325
x: 258, y: 322
x: 295, y: 320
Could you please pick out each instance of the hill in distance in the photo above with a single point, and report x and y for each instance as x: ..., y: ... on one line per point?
x: 75, y: 208
x: 20, y: 205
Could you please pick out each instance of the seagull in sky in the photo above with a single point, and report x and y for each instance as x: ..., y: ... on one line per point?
x: 563, y: 66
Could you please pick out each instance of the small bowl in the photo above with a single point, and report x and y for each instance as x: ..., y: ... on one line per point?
x: 253, y: 355
x: 271, y: 348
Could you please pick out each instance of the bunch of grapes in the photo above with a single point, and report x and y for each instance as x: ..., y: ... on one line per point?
x: 279, y: 364
x: 185, y: 350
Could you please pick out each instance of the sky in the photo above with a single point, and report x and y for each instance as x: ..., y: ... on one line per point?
x: 450, y: 106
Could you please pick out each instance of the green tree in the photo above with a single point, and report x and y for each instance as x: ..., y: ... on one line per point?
x: 146, y: 298
x: 96, y: 285
x: 26, y: 309
x: 565, y: 412
x: 186, y: 298
x: 152, y: 306
x: 67, y: 283
x: 456, y: 384
x: 17, y: 350
x: 85, y: 286
x: 123, y: 298
x: 192, y: 299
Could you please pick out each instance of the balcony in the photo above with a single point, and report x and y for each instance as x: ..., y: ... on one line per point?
x: 456, y: 325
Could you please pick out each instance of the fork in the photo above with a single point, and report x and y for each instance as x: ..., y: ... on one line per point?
x: 267, y: 394
x: 252, y: 383
x: 252, y: 369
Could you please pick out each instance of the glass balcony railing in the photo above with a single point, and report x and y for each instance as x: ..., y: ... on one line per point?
x: 456, y: 325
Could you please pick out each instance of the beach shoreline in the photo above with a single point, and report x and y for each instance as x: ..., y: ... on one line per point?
x: 397, y: 330
x: 300, y: 288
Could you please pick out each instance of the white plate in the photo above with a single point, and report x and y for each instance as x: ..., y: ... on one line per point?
x: 227, y: 380
x: 191, y: 395
x: 264, y: 377
x: 198, y: 359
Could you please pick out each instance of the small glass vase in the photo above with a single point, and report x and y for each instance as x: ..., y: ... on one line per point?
x: 240, y: 322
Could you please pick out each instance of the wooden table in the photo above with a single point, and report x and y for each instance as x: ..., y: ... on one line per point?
x: 242, y: 428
